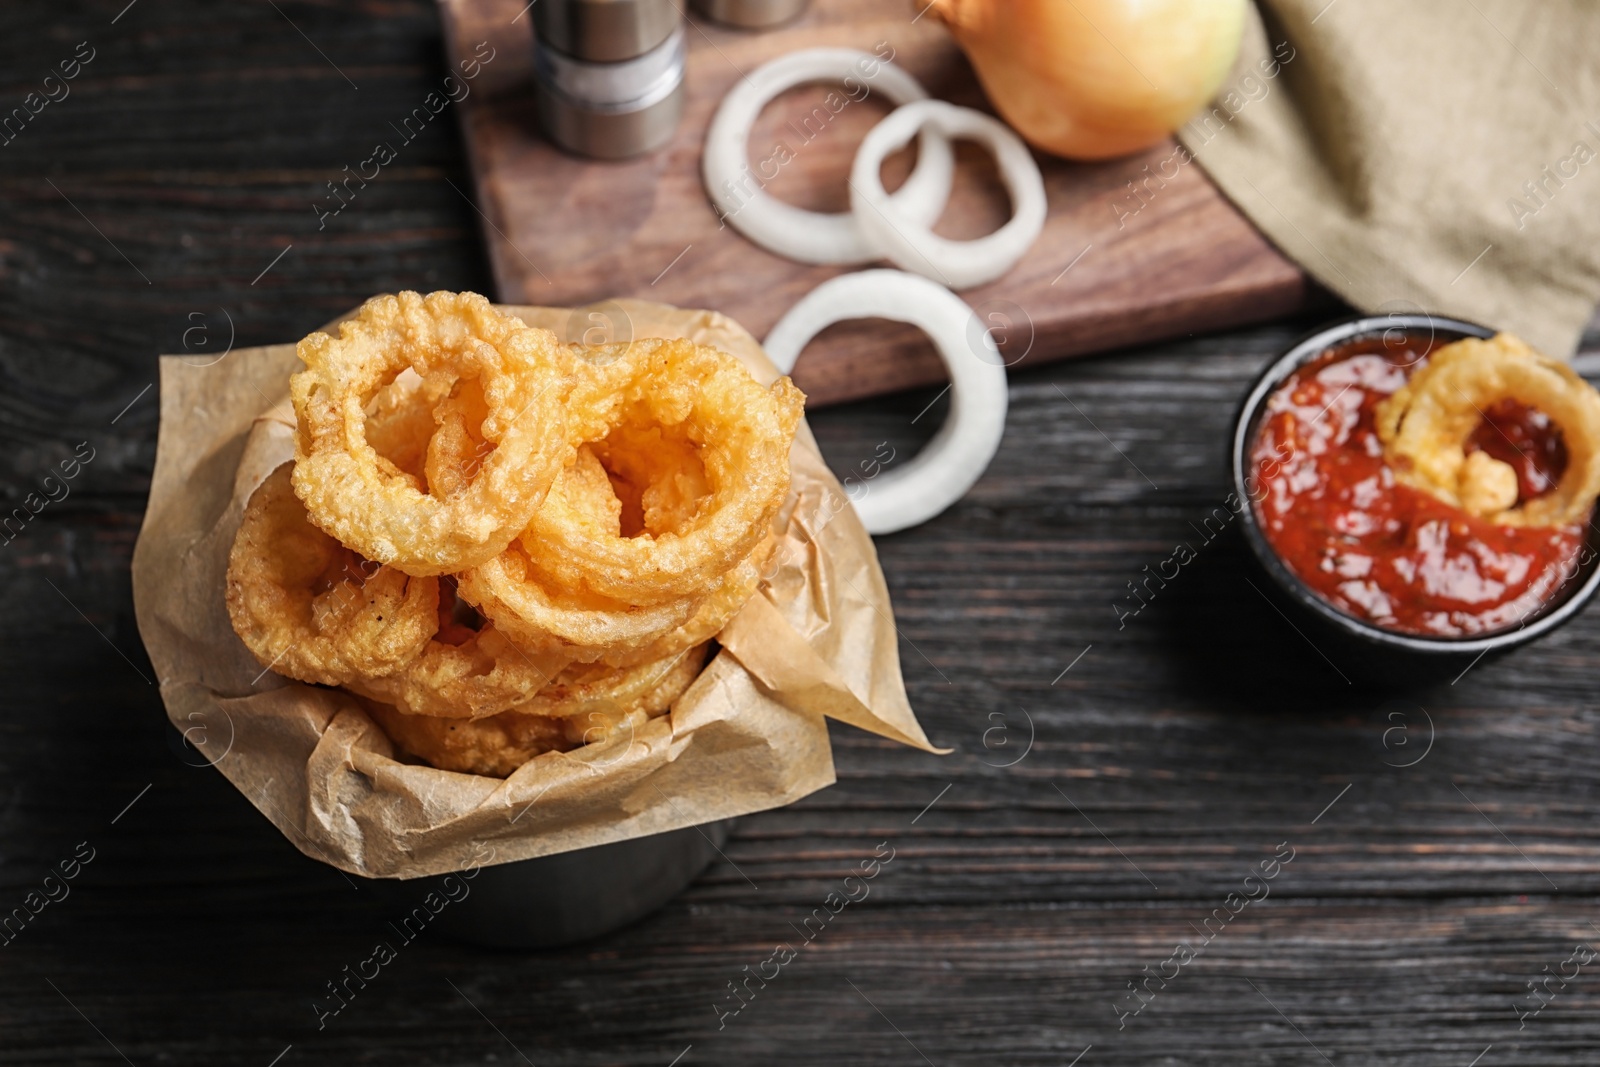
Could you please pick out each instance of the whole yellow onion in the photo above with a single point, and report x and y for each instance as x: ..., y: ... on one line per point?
x: 1093, y: 79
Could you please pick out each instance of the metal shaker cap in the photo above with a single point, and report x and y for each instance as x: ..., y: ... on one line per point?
x: 605, y: 31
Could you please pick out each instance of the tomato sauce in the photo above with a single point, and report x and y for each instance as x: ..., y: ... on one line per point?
x: 1383, y: 552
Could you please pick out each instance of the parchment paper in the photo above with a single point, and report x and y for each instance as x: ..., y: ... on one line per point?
x: 818, y: 639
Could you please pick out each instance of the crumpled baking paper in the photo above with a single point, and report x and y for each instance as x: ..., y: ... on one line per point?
x: 818, y: 640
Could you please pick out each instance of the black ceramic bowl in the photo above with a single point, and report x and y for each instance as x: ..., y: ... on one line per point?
x: 1387, y: 648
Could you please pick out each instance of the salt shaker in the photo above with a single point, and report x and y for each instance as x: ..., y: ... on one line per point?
x: 610, y: 74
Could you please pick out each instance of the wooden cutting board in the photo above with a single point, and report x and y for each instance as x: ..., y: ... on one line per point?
x: 1134, y: 250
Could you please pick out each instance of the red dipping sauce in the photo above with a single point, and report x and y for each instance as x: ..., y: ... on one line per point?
x: 1385, y: 553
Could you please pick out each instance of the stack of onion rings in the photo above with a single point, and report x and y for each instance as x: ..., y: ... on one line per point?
x: 503, y: 545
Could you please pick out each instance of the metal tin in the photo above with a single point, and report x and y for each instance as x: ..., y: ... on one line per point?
x: 751, y: 14
x: 605, y: 31
x: 611, y: 110
x: 569, y: 897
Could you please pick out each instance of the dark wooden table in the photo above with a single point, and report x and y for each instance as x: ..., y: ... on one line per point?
x: 170, y: 194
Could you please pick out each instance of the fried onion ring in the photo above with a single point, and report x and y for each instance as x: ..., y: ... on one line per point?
x: 539, y: 614
x: 741, y: 433
x: 495, y: 746
x: 592, y: 707
x: 656, y: 474
x: 312, y: 610
x: 384, y: 514
x: 464, y: 673
x: 724, y: 602
x: 589, y: 687
x: 1425, y: 426
x: 400, y: 420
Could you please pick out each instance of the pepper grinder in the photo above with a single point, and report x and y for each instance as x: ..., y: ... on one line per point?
x: 609, y: 73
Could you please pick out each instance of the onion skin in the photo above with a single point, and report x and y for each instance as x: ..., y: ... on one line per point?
x: 1096, y: 79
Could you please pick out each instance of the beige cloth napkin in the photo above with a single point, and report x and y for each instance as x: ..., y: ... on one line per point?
x: 1441, y: 155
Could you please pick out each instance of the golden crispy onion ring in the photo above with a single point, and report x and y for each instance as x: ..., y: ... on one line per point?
x: 540, y: 615
x: 309, y: 608
x: 585, y: 688
x: 657, y: 475
x: 495, y: 746
x: 383, y: 514
x: 464, y: 674
x: 400, y: 421
x: 741, y: 433
x: 731, y: 593
x: 598, y: 706
x: 1425, y: 425
x: 457, y: 419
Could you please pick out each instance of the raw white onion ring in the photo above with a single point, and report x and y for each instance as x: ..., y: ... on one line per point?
x: 814, y: 236
x: 939, y: 475
x: 905, y: 239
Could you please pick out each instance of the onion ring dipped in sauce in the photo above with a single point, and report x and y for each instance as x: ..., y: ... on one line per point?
x: 1440, y: 490
x: 1432, y: 430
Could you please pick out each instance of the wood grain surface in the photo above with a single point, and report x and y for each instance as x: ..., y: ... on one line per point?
x: 1168, y: 757
x: 1133, y: 250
